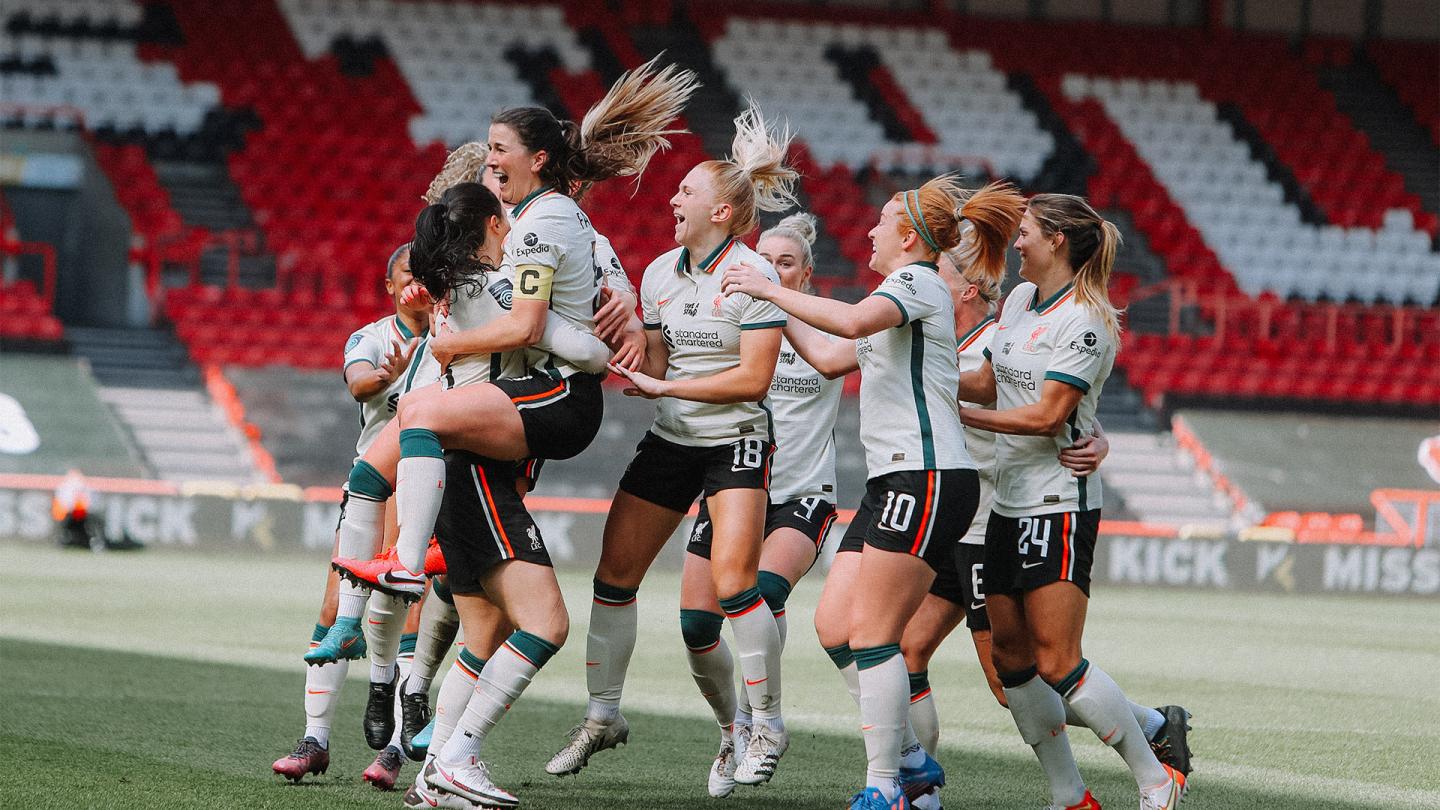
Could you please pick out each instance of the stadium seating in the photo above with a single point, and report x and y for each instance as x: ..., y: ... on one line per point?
x: 25, y: 310
x: 1409, y: 68
x: 1243, y: 215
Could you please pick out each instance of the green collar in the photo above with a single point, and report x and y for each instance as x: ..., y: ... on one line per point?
x: 405, y: 330
x: 682, y: 264
x: 529, y: 198
x: 931, y: 265
x: 1041, y: 306
x: 989, y: 319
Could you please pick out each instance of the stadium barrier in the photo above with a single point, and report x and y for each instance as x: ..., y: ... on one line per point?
x: 286, y: 518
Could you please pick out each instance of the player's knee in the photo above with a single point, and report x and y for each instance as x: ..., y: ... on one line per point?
x: 831, y: 630
x: 1054, y: 666
x: 728, y: 581
x: 700, y: 629
x: 774, y: 589
x: 917, y: 652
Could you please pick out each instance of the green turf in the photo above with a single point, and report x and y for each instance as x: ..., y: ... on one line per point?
x: 1300, y: 702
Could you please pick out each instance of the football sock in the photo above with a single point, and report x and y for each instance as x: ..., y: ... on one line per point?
x: 501, y: 683
x: 1097, y: 699
x: 1040, y: 716
x: 710, y: 662
x: 884, y: 703
x: 455, y: 690
x: 924, y: 717
x: 438, y: 625
x: 322, y: 692
x: 362, y: 527
x: 383, y: 628
x: 419, y: 488
x: 757, y: 641
x: 609, y: 643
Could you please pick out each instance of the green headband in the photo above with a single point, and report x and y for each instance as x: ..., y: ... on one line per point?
x: 917, y: 220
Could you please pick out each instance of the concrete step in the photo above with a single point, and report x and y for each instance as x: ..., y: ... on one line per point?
x: 208, y: 441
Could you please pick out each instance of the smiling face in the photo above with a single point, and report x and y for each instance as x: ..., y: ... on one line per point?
x: 788, y: 258
x: 695, y: 208
x: 1037, y: 251
x: 888, y: 241
x: 515, y: 168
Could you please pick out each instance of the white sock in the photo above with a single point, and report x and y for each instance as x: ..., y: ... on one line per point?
x: 714, y: 673
x: 1097, y: 699
x: 361, y: 530
x: 609, y: 643
x: 419, y: 487
x: 403, y: 664
x: 851, y: 675
x: 455, y: 690
x: 925, y: 720
x: 383, y: 629
x: 884, y: 704
x: 322, y: 698
x: 501, y: 683
x: 757, y: 642
x: 1149, y: 719
x: 1040, y: 716
x: 438, y: 625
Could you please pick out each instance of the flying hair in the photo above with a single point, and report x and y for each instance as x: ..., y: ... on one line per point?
x: 464, y: 165
x: 936, y: 211
x: 620, y: 134
x: 756, y: 176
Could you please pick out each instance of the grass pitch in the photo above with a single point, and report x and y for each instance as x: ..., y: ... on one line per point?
x: 172, y: 680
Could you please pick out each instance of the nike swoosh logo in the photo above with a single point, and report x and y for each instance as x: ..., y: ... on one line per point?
x: 349, y: 643
x: 1001, y: 328
x: 317, y: 691
x: 749, y: 682
x: 664, y: 301
x: 1032, y: 565
x: 976, y: 605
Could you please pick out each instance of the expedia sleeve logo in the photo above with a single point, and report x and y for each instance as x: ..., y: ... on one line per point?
x: 504, y: 293
x: 532, y: 246
x: 1087, y: 344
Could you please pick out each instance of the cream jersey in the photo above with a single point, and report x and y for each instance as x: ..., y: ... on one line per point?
x: 980, y: 443
x: 909, y: 417
x: 473, y: 306
x: 1035, y: 341
x: 369, y: 344
x: 551, y: 245
x: 608, y: 267
x: 804, y: 405
x: 701, y: 327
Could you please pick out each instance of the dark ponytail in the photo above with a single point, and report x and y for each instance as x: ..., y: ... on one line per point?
x: 449, y: 235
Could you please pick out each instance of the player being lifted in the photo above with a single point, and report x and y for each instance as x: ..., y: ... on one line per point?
x: 1051, y: 353
x: 710, y: 361
x: 804, y: 404
x: 382, y: 361
x: 922, y: 487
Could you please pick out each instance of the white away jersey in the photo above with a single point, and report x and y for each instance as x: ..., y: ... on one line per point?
x: 980, y: 443
x: 701, y: 327
x: 551, y: 245
x: 909, y: 419
x: 473, y: 306
x: 804, y: 405
x: 608, y: 267
x: 1055, y: 339
x: 369, y: 344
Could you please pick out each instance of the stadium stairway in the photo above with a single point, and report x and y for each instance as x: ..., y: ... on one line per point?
x: 205, y: 196
x: 1376, y: 110
x: 1157, y: 481
x: 146, y: 379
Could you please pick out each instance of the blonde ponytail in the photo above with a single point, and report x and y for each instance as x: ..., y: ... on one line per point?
x: 1093, y: 244
x: 620, y: 134
x: 755, y: 177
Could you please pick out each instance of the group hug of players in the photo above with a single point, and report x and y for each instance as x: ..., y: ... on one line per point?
x: 978, y: 428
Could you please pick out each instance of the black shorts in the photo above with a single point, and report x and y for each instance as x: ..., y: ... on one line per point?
x: 915, y: 512
x: 529, y: 472
x: 961, y: 581
x: 483, y: 521
x: 674, y: 475
x: 1022, y: 554
x: 561, y: 417
x: 812, y: 517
